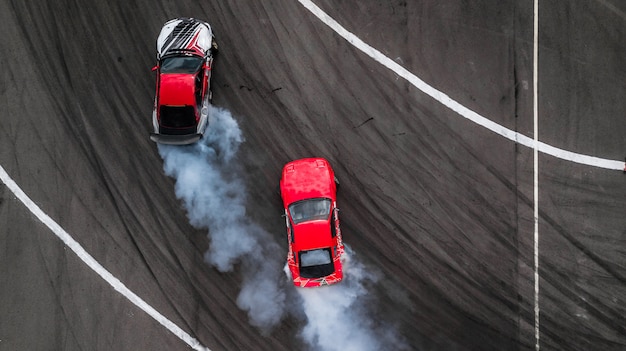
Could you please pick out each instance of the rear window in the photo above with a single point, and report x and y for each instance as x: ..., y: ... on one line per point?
x: 177, y: 116
x: 315, y: 257
x: 316, y: 263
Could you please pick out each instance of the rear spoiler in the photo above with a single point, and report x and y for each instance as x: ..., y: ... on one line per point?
x: 175, y: 139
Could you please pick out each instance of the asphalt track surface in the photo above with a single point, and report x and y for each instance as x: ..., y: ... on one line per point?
x: 441, y: 208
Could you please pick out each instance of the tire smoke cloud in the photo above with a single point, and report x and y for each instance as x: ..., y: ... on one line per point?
x: 337, y: 317
x: 209, y: 184
x: 214, y: 195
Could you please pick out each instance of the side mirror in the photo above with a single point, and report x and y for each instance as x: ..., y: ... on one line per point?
x: 155, y: 68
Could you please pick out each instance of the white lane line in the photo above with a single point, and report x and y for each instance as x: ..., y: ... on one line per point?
x: 95, y: 266
x: 454, y: 105
x: 536, y: 161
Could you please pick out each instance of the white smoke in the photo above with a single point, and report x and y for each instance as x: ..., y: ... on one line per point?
x: 209, y: 184
x: 338, y: 318
x: 214, y: 195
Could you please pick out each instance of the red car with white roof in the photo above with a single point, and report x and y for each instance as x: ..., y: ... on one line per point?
x: 185, y: 50
x: 308, y: 188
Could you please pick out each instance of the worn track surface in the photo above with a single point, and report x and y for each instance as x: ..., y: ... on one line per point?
x: 441, y: 208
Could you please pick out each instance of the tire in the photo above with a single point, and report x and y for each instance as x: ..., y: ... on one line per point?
x: 214, y: 47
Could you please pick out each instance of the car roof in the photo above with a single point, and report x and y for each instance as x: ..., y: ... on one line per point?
x: 177, y: 89
x: 312, y: 235
x: 307, y: 178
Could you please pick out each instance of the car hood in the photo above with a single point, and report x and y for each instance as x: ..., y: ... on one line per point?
x: 312, y: 235
x: 177, y: 89
x: 307, y: 179
x: 185, y: 33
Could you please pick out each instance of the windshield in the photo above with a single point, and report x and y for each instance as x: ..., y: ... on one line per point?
x: 308, y: 210
x: 181, y: 64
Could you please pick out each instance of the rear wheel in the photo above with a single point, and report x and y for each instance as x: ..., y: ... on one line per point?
x: 214, y: 48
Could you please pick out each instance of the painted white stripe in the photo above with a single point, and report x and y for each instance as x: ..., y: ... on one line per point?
x: 454, y: 105
x: 95, y: 266
x: 536, y: 161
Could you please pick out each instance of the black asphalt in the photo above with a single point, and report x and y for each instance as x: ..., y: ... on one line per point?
x: 440, y: 207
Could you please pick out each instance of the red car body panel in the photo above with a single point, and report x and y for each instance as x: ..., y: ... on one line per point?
x: 306, y: 238
x: 305, y: 179
x: 177, y: 89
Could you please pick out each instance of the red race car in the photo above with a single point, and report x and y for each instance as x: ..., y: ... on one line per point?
x: 185, y: 50
x: 308, y: 188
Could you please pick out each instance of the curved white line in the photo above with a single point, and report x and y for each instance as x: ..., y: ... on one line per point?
x: 454, y: 105
x: 95, y: 266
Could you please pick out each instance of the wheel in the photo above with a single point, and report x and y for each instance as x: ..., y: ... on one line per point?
x: 214, y: 48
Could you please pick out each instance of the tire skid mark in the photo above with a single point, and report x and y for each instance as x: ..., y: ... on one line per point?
x: 453, y: 104
x: 114, y: 282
